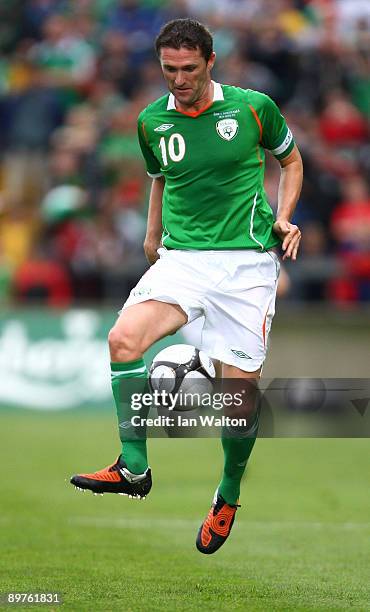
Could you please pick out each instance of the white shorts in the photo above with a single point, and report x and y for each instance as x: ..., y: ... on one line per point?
x: 233, y: 291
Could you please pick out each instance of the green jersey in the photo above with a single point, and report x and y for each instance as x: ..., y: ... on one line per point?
x: 213, y: 164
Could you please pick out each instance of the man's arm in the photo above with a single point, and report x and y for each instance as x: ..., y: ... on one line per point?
x: 154, y: 224
x: 290, y: 186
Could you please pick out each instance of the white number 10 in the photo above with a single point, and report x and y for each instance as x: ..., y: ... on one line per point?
x: 180, y: 145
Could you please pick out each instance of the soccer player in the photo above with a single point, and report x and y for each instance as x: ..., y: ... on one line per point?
x: 210, y: 241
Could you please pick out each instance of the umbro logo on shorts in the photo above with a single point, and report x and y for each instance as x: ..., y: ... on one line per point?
x: 164, y: 127
x: 141, y: 291
x: 240, y: 354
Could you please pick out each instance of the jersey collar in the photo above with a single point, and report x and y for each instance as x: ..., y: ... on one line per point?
x: 218, y: 94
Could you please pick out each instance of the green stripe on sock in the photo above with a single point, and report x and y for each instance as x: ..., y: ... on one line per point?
x: 128, y: 365
x: 130, y: 369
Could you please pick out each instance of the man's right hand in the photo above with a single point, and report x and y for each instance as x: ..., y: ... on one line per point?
x: 150, y: 249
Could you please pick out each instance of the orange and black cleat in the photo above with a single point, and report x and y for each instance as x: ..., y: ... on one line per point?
x: 115, y: 478
x: 216, y: 528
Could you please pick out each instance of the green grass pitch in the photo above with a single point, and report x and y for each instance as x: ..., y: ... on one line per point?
x: 300, y: 541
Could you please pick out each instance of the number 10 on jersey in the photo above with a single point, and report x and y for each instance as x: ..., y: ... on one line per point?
x: 175, y: 148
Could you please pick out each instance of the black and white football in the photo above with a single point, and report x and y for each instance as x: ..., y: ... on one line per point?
x: 184, y: 370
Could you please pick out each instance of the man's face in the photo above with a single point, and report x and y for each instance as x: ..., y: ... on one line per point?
x: 186, y: 72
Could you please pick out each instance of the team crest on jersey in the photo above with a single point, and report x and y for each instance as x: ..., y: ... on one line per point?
x: 164, y: 127
x: 227, y: 128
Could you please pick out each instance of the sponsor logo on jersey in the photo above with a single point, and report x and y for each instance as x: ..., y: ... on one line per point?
x: 227, y: 128
x: 240, y: 354
x: 164, y: 127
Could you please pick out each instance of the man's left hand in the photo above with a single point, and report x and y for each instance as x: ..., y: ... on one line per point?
x: 290, y: 234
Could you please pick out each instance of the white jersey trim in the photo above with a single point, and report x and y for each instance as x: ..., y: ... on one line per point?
x: 218, y: 94
x: 166, y: 234
x: 251, y: 223
x: 171, y: 102
x: 154, y: 175
x: 283, y: 147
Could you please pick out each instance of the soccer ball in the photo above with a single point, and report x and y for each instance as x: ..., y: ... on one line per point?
x: 184, y: 373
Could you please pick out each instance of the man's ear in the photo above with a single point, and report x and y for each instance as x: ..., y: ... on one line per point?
x: 211, y: 60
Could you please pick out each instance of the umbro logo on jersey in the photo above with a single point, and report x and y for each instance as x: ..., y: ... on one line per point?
x: 240, y: 354
x: 227, y: 128
x: 164, y: 127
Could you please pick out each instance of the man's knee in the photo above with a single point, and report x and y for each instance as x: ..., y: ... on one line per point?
x: 125, y: 343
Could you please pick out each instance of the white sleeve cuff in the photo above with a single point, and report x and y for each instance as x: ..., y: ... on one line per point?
x: 284, y: 145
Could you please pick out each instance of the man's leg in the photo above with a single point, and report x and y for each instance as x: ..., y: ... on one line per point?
x: 137, y: 328
x: 239, y: 314
x: 237, y: 444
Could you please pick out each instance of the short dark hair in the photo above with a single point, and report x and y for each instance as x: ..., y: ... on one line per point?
x: 187, y: 33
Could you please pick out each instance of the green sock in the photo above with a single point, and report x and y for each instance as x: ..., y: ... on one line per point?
x: 237, y: 448
x: 128, y: 378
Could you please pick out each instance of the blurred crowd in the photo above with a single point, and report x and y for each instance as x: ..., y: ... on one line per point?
x: 74, y: 75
